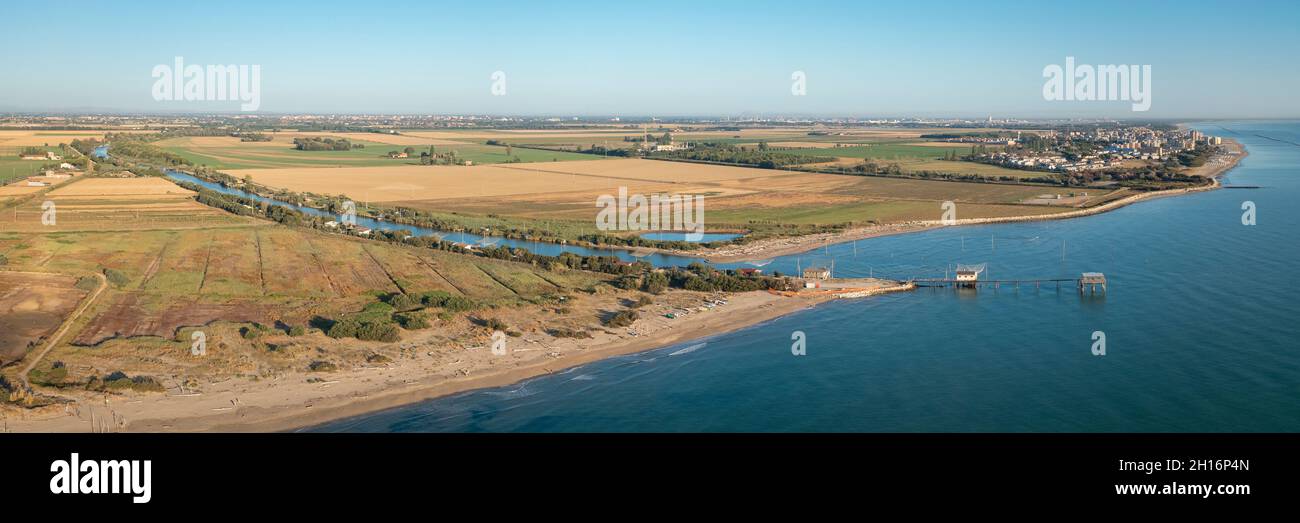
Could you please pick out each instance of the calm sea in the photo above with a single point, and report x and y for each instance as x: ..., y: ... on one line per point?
x: 1201, y: 325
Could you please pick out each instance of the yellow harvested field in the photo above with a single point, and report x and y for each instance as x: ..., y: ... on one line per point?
x: 150, y: 186
x: 648, y: 170
x: 18, y: 189
x: 204, y: 142
x: 26, y: 138
x: 564, y: 190
x: 414, y: 182
x: 100, y: 204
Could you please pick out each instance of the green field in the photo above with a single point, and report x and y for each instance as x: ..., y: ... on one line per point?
x: 12, y: 168
x: 883, y: 151
x: 248, y: 156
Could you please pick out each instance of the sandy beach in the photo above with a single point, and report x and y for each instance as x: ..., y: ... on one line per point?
x: 430, y: 368
x: 303, y: 399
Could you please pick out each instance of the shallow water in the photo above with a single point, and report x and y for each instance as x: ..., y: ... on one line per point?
x: 1200, y: 326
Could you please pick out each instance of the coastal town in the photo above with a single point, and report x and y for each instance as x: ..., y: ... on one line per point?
x: 1098, y: 148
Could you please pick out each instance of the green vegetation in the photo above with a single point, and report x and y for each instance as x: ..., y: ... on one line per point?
x: 138, y: 147
x: 561, y: 332
x: 447, y: 301
x: 494, y: 324
x: 883, y: 151
x: 412, y: 320
x: 342, y: 152
x: 321, y: 366
x: 621, y: 319
x: 120, y: 381
x: 655, y: 283
x: 253, y: 331
x: 325, y: 144
x: 52, y: 376
x: 379, y: 321
x: 116, y: 278
x: 13, y: 168
x: 735, y: 155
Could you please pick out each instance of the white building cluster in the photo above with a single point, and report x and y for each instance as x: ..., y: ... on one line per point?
x: 1116, y: 145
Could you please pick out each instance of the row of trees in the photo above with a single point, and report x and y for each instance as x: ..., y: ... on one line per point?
x: 317, y: 143
x: 433, y: 157
x: 727, y: 153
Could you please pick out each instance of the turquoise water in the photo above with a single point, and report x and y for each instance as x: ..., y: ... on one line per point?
x: 1200, y: 323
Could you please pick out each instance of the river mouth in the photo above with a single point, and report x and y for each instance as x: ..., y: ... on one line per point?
x: 1199, y: 336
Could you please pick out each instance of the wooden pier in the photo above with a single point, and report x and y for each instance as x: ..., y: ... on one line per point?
x: 1087, y: 283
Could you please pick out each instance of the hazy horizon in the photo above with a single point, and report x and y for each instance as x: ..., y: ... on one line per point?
x: 676, y: 60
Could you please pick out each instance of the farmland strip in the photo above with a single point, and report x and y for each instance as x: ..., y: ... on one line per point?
x: 496, y: 279
x: 315, y: 255
x: 261, y: 271
x: 383, y: 268
x: 207, y: 260
x: 444, y: 278
x: 153, y: 267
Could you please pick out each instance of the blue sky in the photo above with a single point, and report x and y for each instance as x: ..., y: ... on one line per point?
x: 661, y: 58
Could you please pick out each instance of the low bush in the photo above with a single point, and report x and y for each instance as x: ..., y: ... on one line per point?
x: 622, y: 319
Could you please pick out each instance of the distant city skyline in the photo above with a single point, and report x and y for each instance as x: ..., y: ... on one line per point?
x: 677, y: 59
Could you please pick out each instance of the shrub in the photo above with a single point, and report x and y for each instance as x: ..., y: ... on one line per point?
x: 322, y: 366
x: 377, y: 331
x: 569, y: 333
x: 642, y: 302
x: 297, y: 330
x: 119, y: 380
x: 627, y: 282
x: 54, y: 376
x: 655, y: 283
x: 696, y: 283
x: 622, y: 319
x: 495, y: 324
x: 86, y: 283
x: 448, y: 301
x: 345, y: 328
x: 412, y: 320
x: 403, y: 302
x: 116, y: 277
x: 377, y: 307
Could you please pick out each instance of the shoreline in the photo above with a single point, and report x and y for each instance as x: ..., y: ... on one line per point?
x: 787, y: 246
x: 232, y: 407
x: 294, y: 402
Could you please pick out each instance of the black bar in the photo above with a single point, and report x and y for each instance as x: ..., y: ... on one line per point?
x: 360, y: 470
